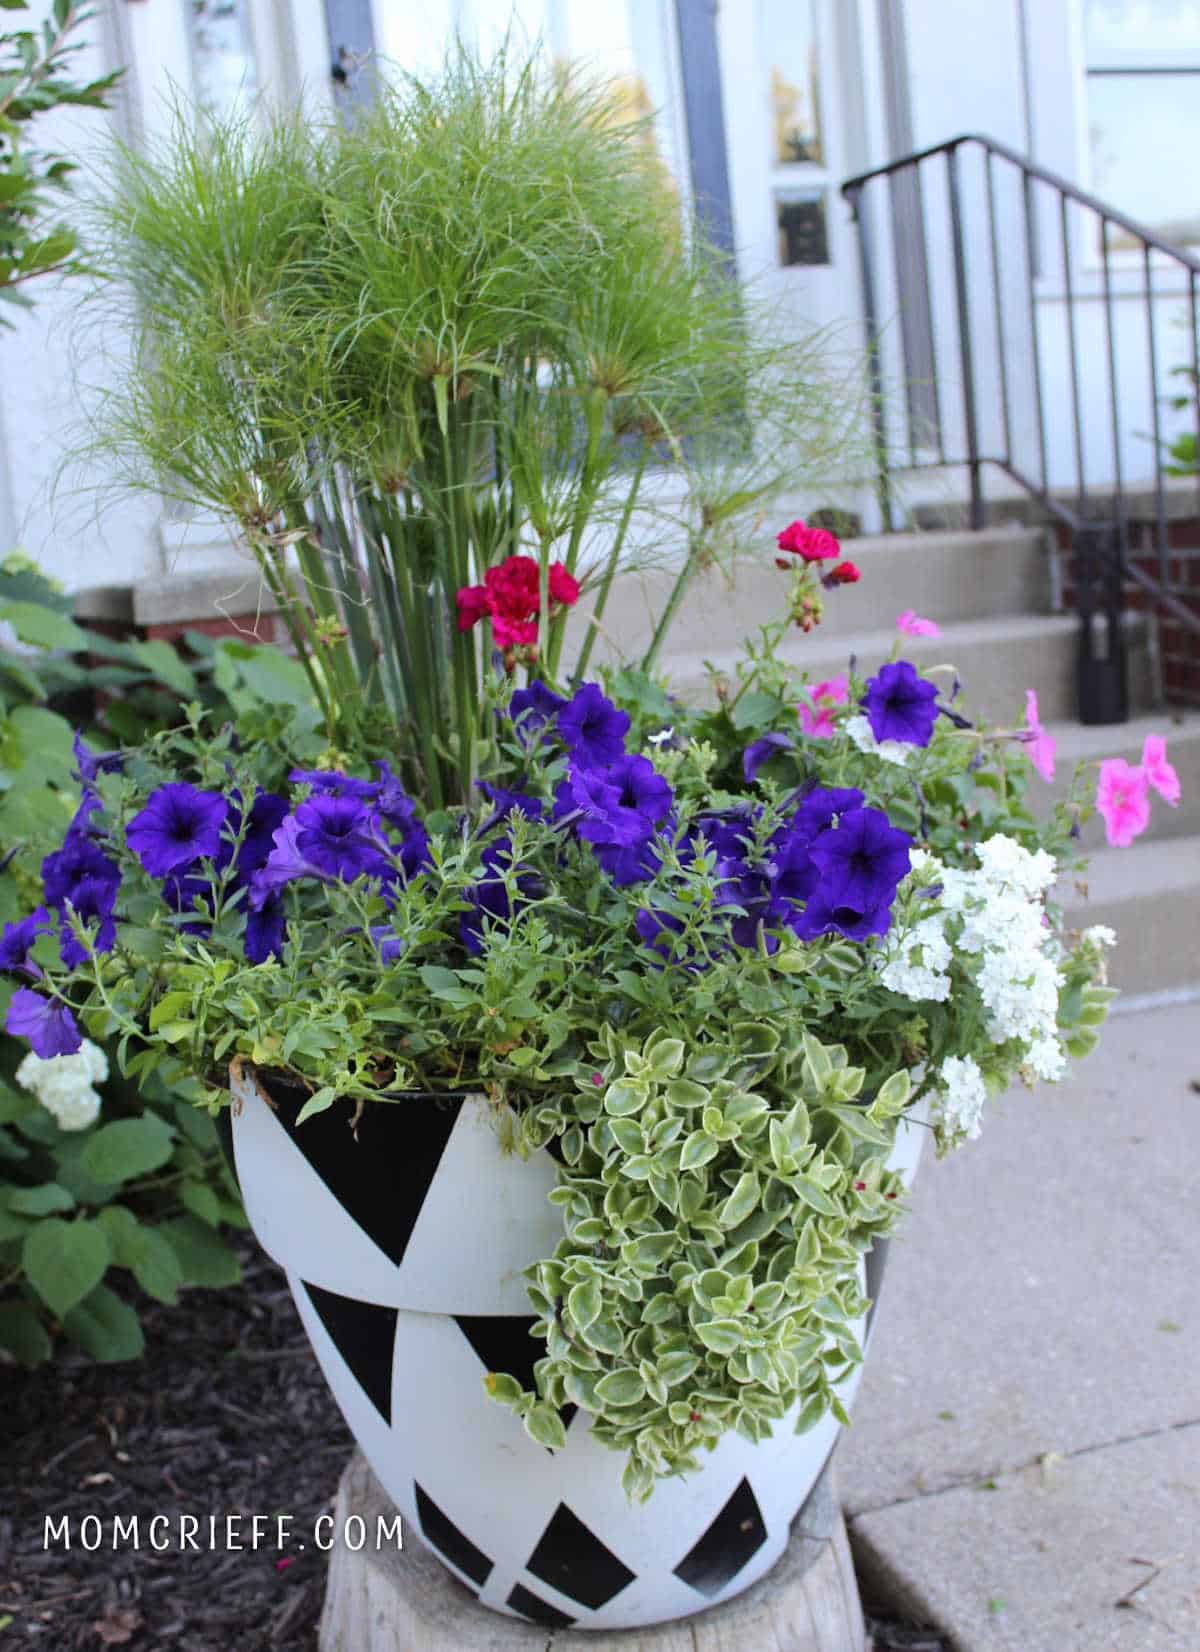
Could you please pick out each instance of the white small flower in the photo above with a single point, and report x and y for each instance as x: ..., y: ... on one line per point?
x: 918, y: 962
x: 1099, y: 935
x: 64, y: 1084
x: 862, y: 735
x: 958, y: 1104
x: 661, y: 738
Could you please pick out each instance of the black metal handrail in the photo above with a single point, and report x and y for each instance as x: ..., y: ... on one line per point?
x: 1098, y: 524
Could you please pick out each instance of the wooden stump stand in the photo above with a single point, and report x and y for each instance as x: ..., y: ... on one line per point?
x: 384, y: 1601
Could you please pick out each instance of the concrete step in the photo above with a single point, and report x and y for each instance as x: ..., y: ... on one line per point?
x: 945, y: 577
x: 996, y: 659
x: 1150, y: 895
x: 1088, y: 745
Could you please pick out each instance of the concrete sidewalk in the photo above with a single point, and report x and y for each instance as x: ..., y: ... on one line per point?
x: 1026, y: 1440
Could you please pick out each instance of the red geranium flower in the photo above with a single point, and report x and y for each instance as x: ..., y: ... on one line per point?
x: 472, y: 603
x: 845, y: 573
x: 564, y: 587
x: 813, y: 544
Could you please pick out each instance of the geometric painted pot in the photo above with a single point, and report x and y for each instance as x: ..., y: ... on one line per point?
x: 404, y: 1245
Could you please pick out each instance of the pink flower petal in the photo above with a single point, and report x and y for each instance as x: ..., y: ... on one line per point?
x: 912, y: 625
x: 1160, y: 775
x: 1123, y: 801
x: 816, y: 720
x: 1041, y: 749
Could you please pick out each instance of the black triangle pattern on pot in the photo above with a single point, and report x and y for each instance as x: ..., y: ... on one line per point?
x: 446, y: 1538
x: 573, y: 1560
x: 503, y: 1343
x: 364, y: 1334
x: 381, y: 1172
x: 735, y: 1535
x: 532, y: 1606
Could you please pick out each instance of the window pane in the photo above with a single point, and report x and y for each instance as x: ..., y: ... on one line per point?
x: 789, y: 48
x: 222, y: 54
x: 1145, y: 134
x: 1120, y: 33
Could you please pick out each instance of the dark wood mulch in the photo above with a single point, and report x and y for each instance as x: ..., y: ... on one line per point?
x: 226, y: 1414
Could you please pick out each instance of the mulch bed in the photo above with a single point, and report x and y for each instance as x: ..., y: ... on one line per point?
x: 226, y: 1414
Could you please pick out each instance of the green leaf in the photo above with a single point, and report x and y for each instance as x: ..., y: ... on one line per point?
x: 64, y: 1261
x: 723, y: 1336
x: 666, y: 1058
x: 43, y: 627
x: 584, y: 1302
x: 621, y: 1387
x: 650, y: 1250
x: 40, y: 1201
x: 203, y: 1203
x: 698, y: 1149
x: 162, y: 660
x: 23, y: 1334
x: 318, y: 1103
x: 204, y: 1257
x: 156, y: 1265
x: 741, y: 1202
x: 106, y: 1327
x: 543, y: 1423
x: 127, y: 1148
x: 623, y: 1098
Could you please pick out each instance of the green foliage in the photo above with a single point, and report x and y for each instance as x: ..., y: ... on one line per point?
x: 141, y: 1198
x: 707, y: 1278
x: 35, y: 79
x: 465, y: 326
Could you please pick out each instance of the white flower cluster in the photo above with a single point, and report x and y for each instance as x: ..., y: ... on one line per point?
x: 1000, y: 934
x: 863, y: 736
x: 64, y: 1084
x: 957, y: 1111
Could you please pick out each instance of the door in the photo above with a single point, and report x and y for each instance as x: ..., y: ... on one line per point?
x: 788, y: 105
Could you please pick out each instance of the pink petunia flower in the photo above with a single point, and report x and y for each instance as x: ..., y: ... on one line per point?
x: 913, y: 625
x: 1123, y: 799
x: 816, y: 720
x: 1160, y: 775
x: 1042, y: 747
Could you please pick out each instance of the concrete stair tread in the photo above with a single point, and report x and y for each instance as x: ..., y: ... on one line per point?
x: 1168, y: 866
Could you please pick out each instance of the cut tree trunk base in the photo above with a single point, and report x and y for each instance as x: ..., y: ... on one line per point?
x: 383, y: 1601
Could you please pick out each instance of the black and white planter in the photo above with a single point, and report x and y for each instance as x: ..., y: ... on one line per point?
x: 404, y: 1246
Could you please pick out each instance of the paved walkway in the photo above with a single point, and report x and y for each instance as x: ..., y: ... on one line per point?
x: 1024, y: 1468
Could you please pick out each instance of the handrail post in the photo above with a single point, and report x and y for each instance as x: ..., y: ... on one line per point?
x: 966, y: 357
x: 883, y: 488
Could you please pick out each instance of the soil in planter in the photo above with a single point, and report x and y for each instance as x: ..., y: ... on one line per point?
x: 227, y: 1413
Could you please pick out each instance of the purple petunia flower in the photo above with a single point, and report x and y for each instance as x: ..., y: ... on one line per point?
x: 284, y: 864
x: 746, y: 887
x: 334, y: 784
x: 658, y: 930
x: 48, y: 1025
x: 861, y: 860
x: 489, y: 899
x: 819, y: 807
x: 791, y: 873
x: 627, y: 864
x: 66, y: 868
x: 760, y: 752
x: 592, y: 728
x: 899, y: 704
x: 507, y: 802
x: 265, y: 930
x: 389, y: 943
x: 17, y: 941
x: 727, y: 833
x: 267, y: 814
x: 179, y: 825
x: 393, y: 802
x: 333, y: 835
x: 90, y: 899
x: 532, y: 708
x: 822, y: 917
x: 89, y: 764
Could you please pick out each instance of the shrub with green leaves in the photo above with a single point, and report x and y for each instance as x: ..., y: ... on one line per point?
x: 104, y: 1183
x: 34, y: 80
